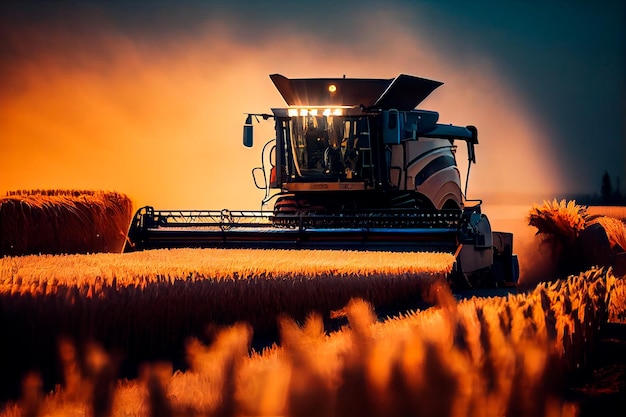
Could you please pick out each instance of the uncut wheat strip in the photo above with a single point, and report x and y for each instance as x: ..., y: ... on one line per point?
x: 60, y: 221
x: 104, y: 217
x: 221, y: 264
x: 154, y: 311
x: 184, y: 308
x: 329, y: 289
x: 11, y: 226
x: 164, y: 312
x: 53, y: 192
x: 90, y: 199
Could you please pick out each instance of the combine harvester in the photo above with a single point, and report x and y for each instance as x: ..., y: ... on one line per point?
x: 354, y: 166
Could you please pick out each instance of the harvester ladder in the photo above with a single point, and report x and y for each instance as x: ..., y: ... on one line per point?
x: 367, y: 162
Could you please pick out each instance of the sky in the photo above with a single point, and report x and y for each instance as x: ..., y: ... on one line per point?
x: 148, y: 98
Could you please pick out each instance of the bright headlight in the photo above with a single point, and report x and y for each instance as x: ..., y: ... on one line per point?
x: 293, y: 112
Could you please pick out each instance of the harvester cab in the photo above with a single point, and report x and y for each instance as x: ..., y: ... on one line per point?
x: 354, y: 165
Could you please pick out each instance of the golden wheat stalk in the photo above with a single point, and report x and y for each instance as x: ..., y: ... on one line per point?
x: 559, y: 219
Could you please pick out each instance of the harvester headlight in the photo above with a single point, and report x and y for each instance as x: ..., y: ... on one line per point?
x: 293, y: 112
x: 332, y: 88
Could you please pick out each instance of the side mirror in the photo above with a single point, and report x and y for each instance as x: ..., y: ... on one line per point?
x: 471, y: 153
x: 247, y: 132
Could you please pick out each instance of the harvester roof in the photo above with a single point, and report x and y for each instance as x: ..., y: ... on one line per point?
x: 404, y: 92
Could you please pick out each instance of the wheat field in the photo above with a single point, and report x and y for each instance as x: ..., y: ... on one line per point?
x: 88, y: 316
x: 478, y: 357
x: 147, y: 304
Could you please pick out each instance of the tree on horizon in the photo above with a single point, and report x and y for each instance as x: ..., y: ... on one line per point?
x: 606, y: 190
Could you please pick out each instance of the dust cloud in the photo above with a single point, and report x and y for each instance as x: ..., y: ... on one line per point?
x: 161, y: 121
x: 165, y: 130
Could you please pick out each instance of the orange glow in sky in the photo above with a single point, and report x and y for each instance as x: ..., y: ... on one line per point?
x: 163, y: 123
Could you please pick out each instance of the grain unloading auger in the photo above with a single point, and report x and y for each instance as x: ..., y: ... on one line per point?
x: 354, y: 165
